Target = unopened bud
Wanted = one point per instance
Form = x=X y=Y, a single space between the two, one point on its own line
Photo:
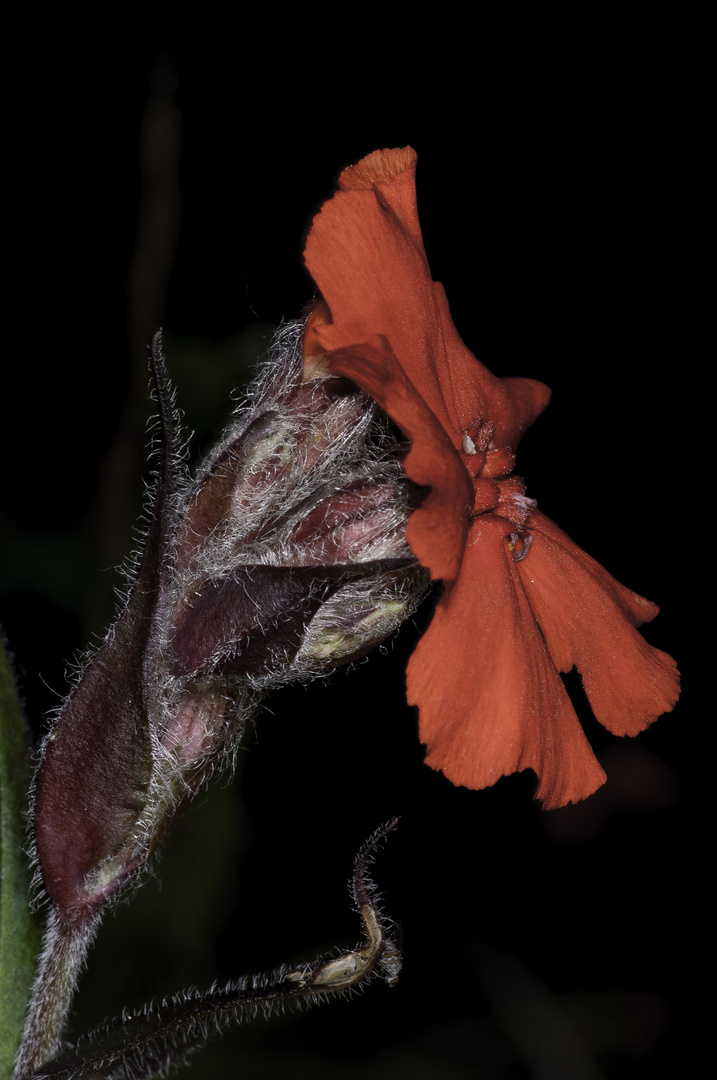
x=286 y=557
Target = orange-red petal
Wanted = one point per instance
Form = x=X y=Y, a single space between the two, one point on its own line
x=365 y=253
x=491 y=700
x=511 y=404
x=588 y=620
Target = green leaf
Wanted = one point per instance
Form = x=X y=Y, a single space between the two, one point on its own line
x=19 y=932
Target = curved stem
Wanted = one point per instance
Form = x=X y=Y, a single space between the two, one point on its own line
x=144 y=1044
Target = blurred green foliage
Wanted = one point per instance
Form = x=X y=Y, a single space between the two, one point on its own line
x=19 y=934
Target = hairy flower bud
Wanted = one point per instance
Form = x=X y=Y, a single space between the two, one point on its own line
x=286 y=557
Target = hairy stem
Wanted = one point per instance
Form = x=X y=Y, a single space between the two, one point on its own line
x=64 y=950
x=146 y=1043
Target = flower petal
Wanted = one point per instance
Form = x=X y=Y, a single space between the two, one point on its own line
x=588 y=620
x=491 y=701
x=365 y=253
x=511 y=404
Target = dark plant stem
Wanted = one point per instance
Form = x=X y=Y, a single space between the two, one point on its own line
x=63 y=956
x=144 y=1044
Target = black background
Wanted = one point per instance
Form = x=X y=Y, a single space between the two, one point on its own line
x=552 y=197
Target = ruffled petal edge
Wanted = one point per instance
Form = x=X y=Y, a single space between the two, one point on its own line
x=589 y=620
x=490 y=699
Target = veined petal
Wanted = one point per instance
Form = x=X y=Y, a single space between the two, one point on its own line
x=491 y=700
x=365 y=252
x=588 y=620
x=511 y=404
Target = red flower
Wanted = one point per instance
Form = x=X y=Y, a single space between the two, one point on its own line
x=521 y=601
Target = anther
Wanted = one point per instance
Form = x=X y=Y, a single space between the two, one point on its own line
x=525 y=541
